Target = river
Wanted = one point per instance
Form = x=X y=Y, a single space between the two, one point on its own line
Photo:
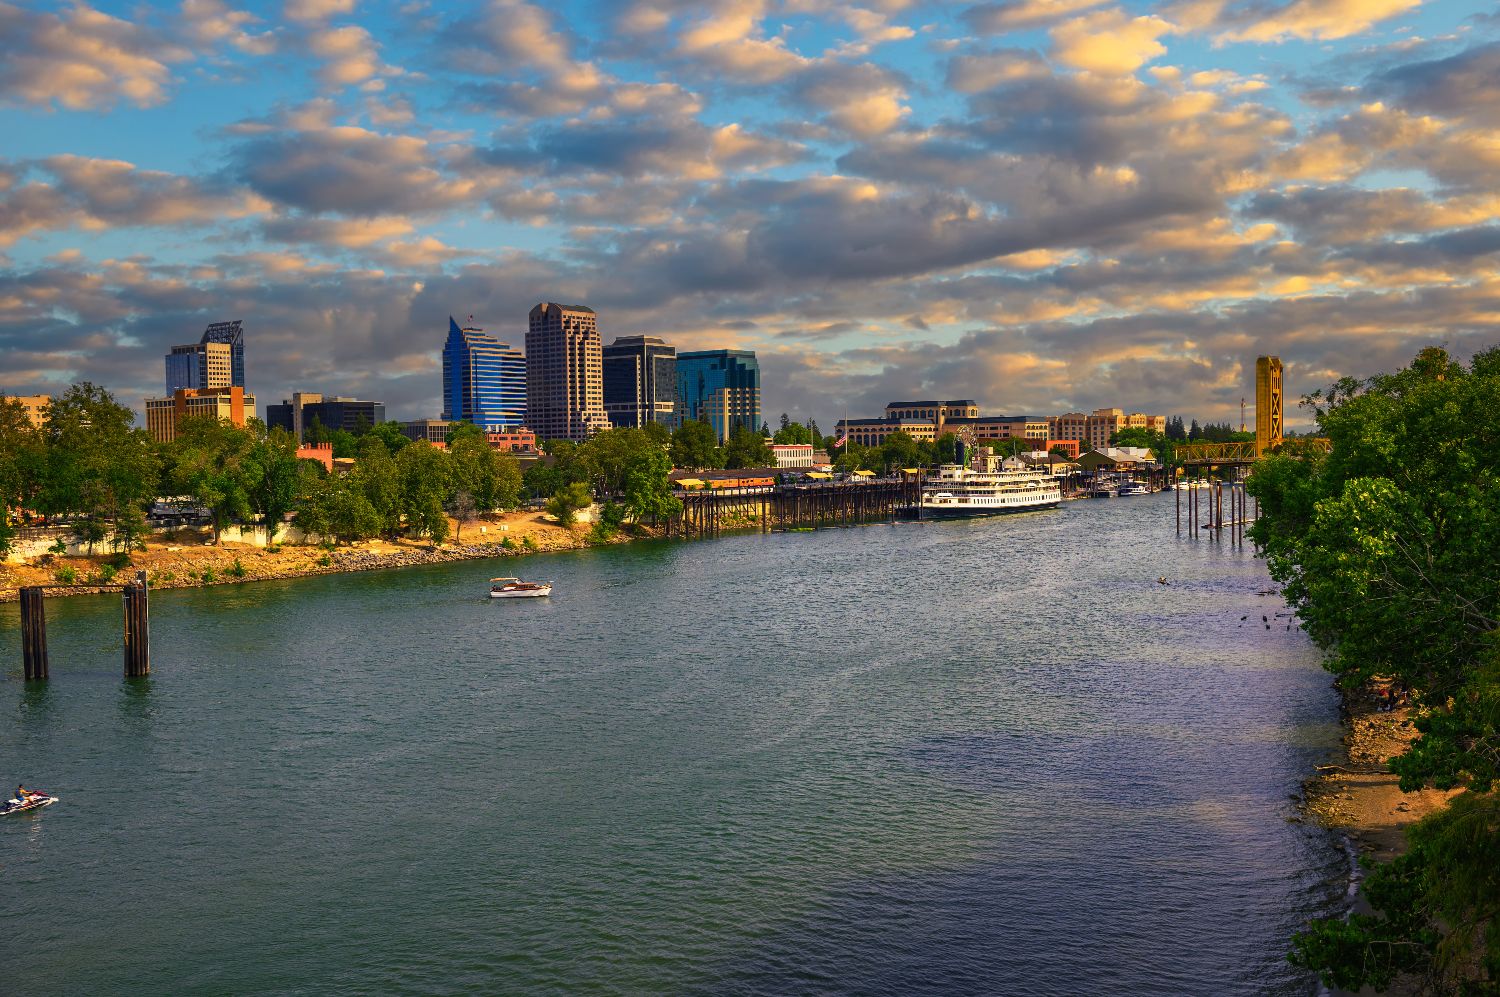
x=983 y=757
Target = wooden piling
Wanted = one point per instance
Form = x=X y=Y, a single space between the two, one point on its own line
x=137 y=628
x=33 y=634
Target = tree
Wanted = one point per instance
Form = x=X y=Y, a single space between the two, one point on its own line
x=215 y=466
x=695 y=446
x=99 y=470
x=570 y=498
x=475 y=466
x=607 y=455
x=901 y=450
x=1385 y=548
x=389 y=433
x=1160 y=445
x=22 y=459
x=345 y=443
x=648 y=486
x=657 y=434
x=814 y=437
x=462 y=508
x=336 y=509
x=945 y=449
x=747 y=448
x=376 y=475
x=425 y=475
x=793 y=432
x=273 y=479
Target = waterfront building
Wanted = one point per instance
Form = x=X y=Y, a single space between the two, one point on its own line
x=640 y=381
x=35 y=407
x=793 y=454
x=936 y=412
x=298 y=413
x=1072 y=426
x=1111 y=458
x=1069 y=447
x=874 y=432
x=998 y=427
x=484 y=380
x=1095 y=430
x=163 y=415
x=564 y=372
x=720 y=387
x=217 y=360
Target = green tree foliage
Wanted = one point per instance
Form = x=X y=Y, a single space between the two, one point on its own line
x=695 y=446
x=99 y=470
x=426 y=477
x=475 y=466
x=345 y=443
x=902 y=450
x=607 y=456
x=274 y=476
x=22 y=460
x=792 y=432
x=747 y=448
x=375 y=475
x=335 y=508
x=945 y=449
x=570 y=498
x=647 y=490
x=1386 y=548
x=1160 y=444
x=389 y=433
x=213 y=464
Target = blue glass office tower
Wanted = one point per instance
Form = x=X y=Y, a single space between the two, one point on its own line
x=484 y=380
x=720 y=387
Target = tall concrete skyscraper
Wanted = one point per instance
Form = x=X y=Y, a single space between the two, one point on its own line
x=720 y=387
x=217 y=360
x=640 y=381
x=564 y=373
x=484 y=380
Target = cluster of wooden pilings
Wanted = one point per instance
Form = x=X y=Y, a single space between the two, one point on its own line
x=1205 y=513
x=795 y=507
x=137 y=630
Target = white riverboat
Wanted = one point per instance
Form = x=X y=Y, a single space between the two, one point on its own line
x=514 y=588
x=984 y=489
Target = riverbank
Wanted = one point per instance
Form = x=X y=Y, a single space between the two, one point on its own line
x=1360 y=796
x=189 y=558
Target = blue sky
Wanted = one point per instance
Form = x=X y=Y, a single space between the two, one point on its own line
x=1043 y=204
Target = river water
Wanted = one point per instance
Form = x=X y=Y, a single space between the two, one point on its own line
x=985 y=757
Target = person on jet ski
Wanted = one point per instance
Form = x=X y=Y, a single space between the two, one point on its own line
x=24 y=795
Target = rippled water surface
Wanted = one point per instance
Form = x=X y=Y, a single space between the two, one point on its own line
x=989 y=757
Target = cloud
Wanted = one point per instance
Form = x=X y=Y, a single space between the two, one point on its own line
x=82 y=59
x=79 y=192
x=347 y=170
x=996 y=18
x=1109 y=42
x=1465 y=85
x=862 y=99
x=316 y=10
x=1264 y=21
x=986 y=70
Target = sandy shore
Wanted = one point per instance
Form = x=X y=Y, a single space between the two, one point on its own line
x=188 y=559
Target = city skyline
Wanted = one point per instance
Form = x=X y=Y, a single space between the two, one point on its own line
x=1048 y=206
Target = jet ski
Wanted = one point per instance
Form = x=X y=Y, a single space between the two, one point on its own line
x=15 y=806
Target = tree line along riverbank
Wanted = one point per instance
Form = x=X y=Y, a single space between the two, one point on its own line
x=1385 y=547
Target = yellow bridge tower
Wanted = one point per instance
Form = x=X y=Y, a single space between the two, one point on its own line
x=1267 y=404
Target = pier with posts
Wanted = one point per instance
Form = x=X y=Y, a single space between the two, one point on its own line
x=778 y=508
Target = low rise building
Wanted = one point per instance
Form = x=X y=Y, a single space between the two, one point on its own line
x=164 y=415
x=936 y=412
x=515 y=441
x=431 y=430
x=874 y=432
x=999 y=427
x=793 y=454
x=320 y=452
x=298 y=413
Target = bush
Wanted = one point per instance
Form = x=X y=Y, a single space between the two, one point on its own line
x=65 y=575
x=324 y=561
x=530 y=542
x=237 y=569
x=207 y=576
x=507 y=544
x=106 y=574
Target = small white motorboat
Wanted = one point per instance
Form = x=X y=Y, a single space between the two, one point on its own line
x=514 y=588
x=34 y=802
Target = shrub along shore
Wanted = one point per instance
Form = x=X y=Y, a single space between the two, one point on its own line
x=1385 y=547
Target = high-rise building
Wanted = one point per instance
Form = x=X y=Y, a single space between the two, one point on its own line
x=564 y=373
x=484 y=380
x=297 y=413
x=217 y=360
x=640 y=381
x=720 y=387
x=163 y=415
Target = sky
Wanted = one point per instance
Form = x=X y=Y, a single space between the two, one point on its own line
x=1045 y=205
